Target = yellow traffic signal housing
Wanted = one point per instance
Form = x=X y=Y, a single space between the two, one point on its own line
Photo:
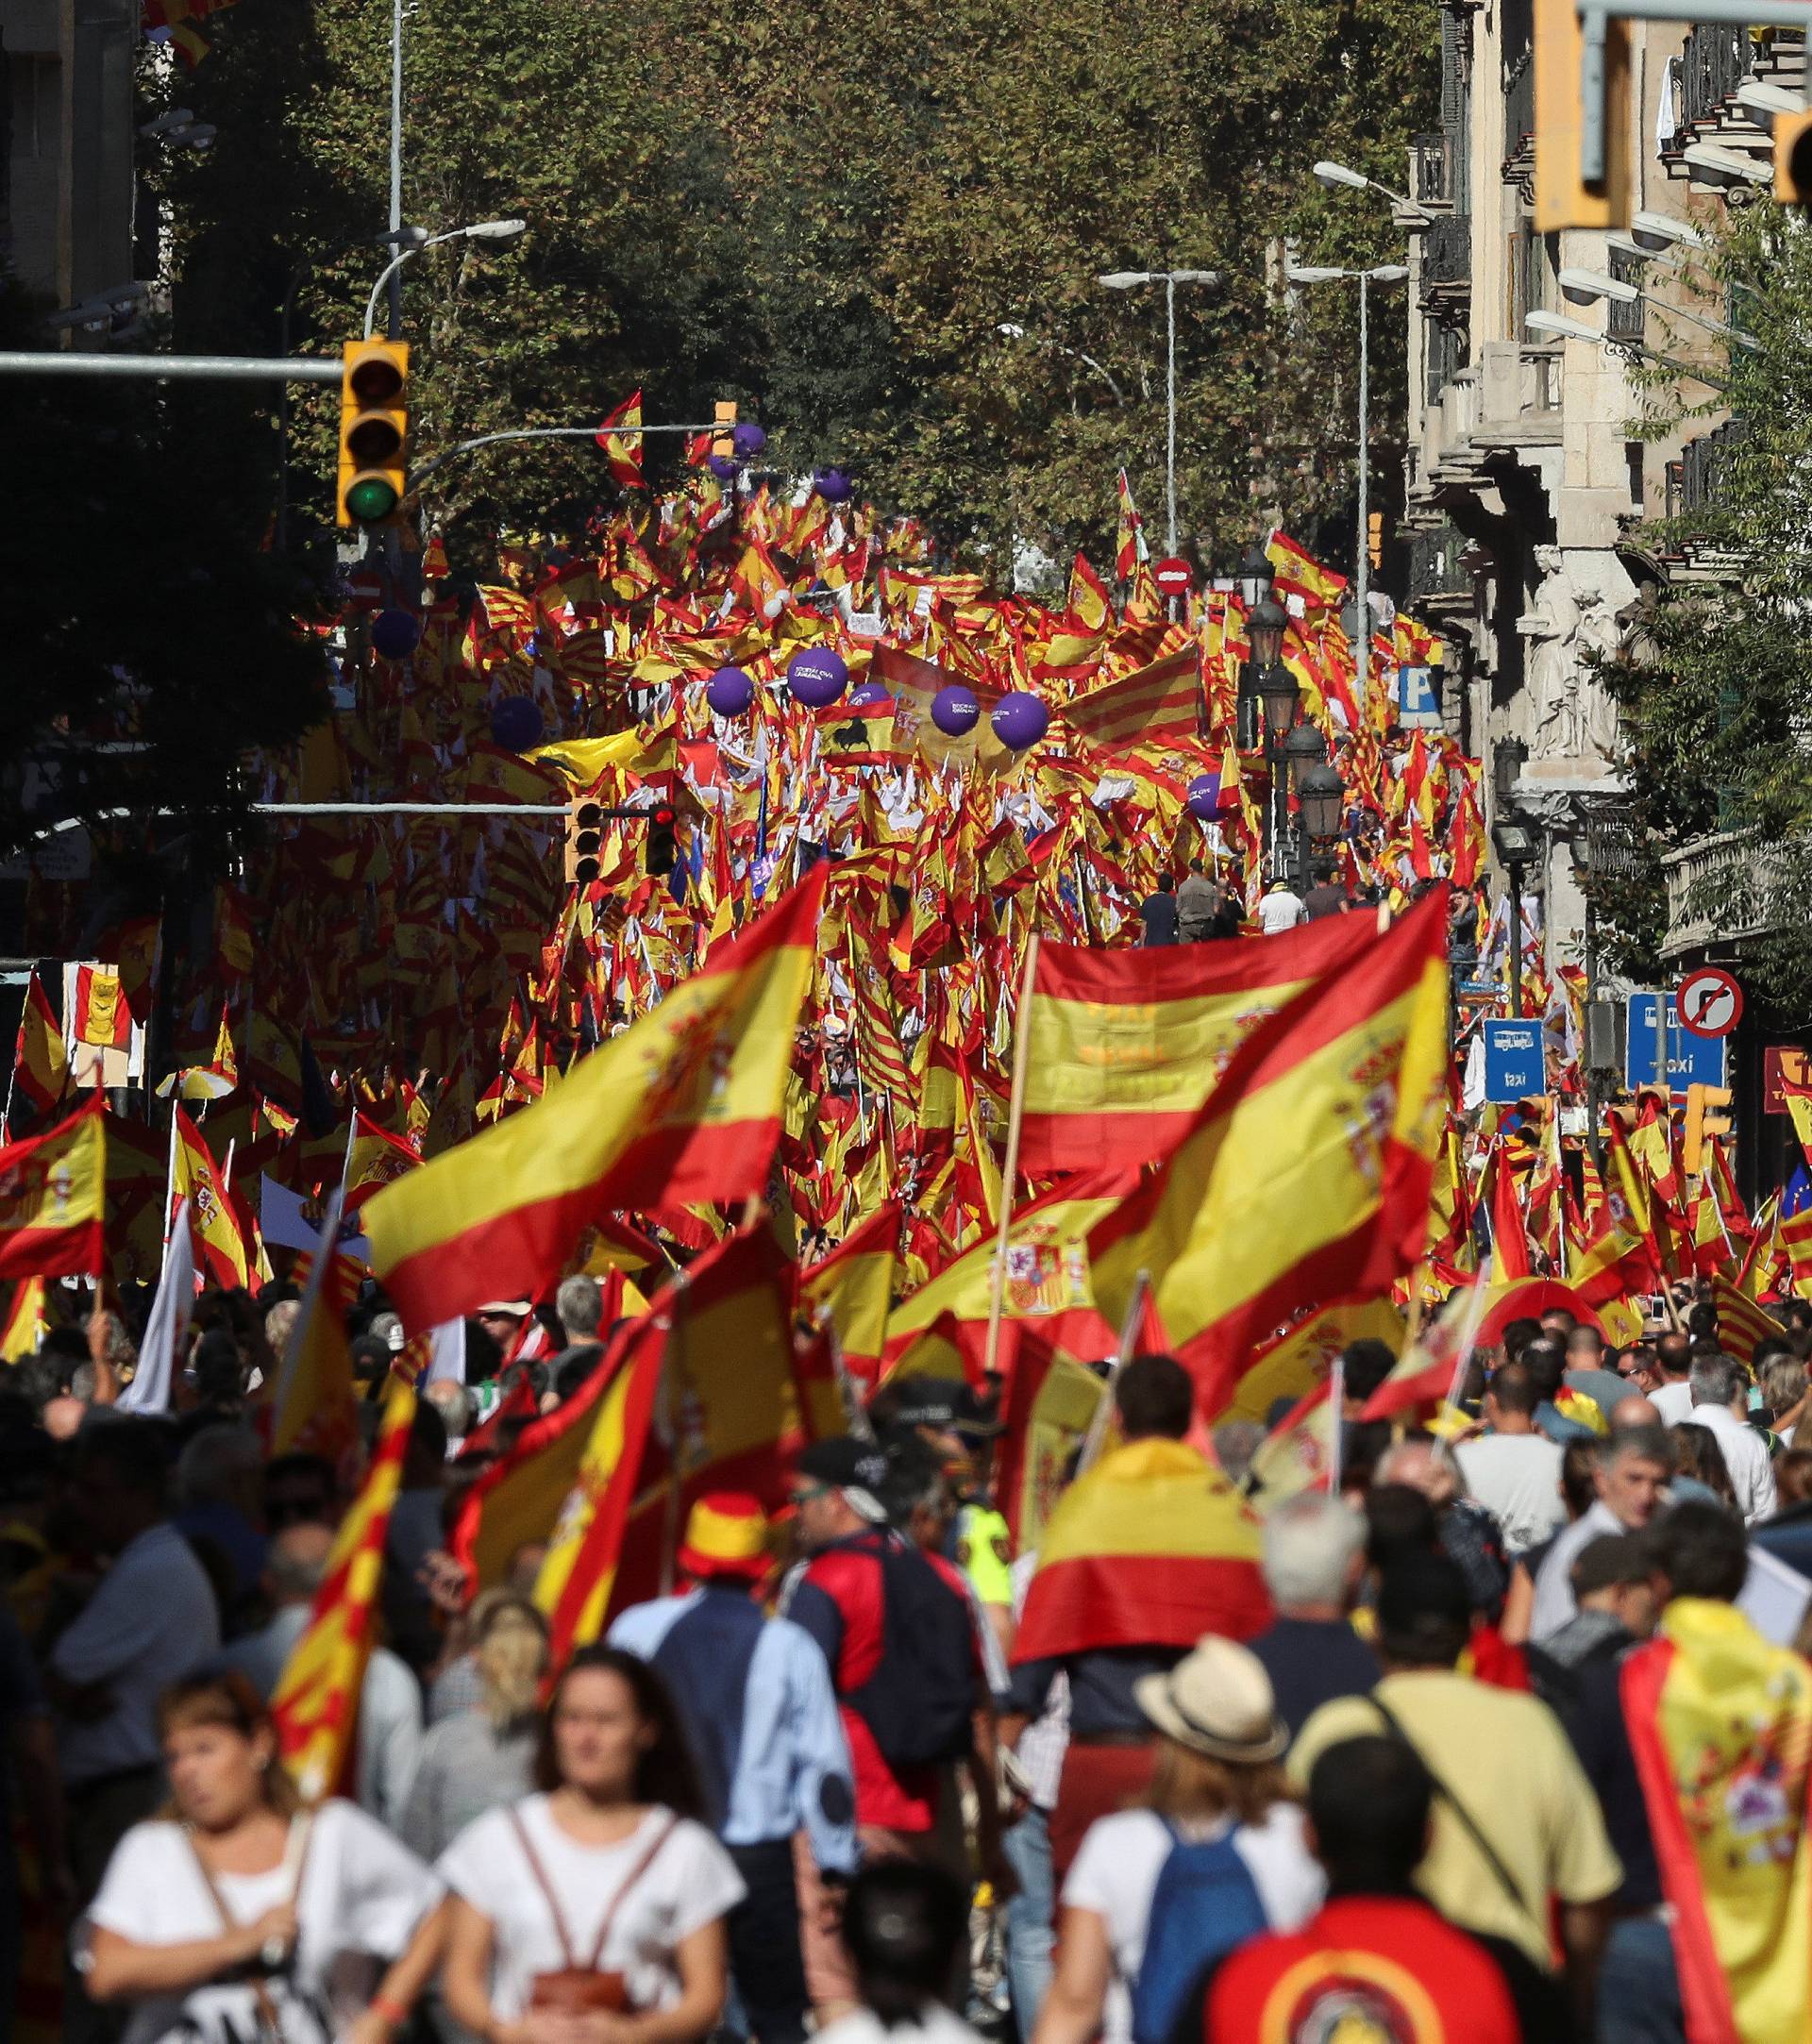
x=373 y=430
x=1375 y=538
x=584 y=843
x=1793 y=158
x=1703 y=1122
x=1563 y=198
x=725 y=414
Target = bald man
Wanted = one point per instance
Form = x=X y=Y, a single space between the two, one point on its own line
x=390 y=1704
x=1633 y=1409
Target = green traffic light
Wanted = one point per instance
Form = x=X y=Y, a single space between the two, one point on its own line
x=370 y=499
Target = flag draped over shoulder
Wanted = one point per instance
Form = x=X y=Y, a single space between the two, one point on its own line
x=1152 y=1547
x=316 y=1700
x=1720 y=1725
x=52 y=1198
x=683 y=1107
x=1306 y=1175
x=1126 y=1044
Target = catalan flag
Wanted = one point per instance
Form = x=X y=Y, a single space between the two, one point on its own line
x=683 y=1107
x=1306 y=1175
x=1152 y=1548
x=1126 y=1044
x=1153 y=706
x=1720 y=1727
x=53 y=1195
x=41 y=1061
x=316 y=1700
x=1741 y=1323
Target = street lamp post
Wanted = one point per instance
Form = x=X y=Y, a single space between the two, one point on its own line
x=483 y=230
x=1384 y=272
x=1128 y=280
x=1276 y=689
x=1518 y=846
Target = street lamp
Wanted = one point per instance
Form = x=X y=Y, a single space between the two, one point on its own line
x=1304 y=749
x=1518 y=846
x=1012 y=330
x=1583 y=286
x=1339 y=175
x=1266 y=625
x=1255 y=576
x=1384 y=272
x=1322 y=796
x=1277 y=691
x=1131 y=280
x=485 y=230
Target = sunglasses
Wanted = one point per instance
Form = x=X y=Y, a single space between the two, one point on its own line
x=803 y=1493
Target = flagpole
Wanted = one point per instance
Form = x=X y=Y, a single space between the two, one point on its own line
x=1015 y=1115
x=1097 y=1435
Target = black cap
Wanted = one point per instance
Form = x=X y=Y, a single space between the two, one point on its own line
x=844 y=1462
x=944 y=1402
x=1418 y=1588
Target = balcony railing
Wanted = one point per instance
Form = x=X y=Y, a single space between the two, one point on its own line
x=1447 y=270
x=1625 y=321
x=1696 y=481
x=1429 y=184
x=1519 y=120
x=1727 y=887
x=1715 y=62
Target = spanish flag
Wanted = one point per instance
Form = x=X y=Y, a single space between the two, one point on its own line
x=1298 y=1453
x=52 y=1198
x=1306 y=1175
x=685 y=1107
x=1051 y=1404
x=1720 y=1725
x=1293 y=1365
x=196 y=1177
x=1296 y=572
x=375 y=1159
x=853 y=1288
x=41 y=1061
x=316 y=1700
x=314 y=1401
x=21 y=1326
x=1126 y=1044
x=1152 y=1548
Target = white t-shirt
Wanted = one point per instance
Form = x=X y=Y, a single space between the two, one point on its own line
x=1116 y=1874
x=1281 y=911
x=361 y=1896
x=690 y=1882
x=1515 y=1477
x=938 y=2025
x=1673 y=1401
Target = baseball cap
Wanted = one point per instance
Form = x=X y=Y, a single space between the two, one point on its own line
x=858 y=1468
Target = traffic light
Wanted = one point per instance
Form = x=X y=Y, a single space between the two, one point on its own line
x=584 y=841
x=1375 y=538
x=725 y=414
x=1563 y=197
x=373 y=430
x=1701 y=1123
x=663 y=853
x=1793 y=157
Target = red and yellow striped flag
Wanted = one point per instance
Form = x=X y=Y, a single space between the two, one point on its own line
x=1126 y=1044
x=1051 y=1404
x=23 y=1323
x=314 y=1401
x=1741 y=1323
x=683 y=1107
x=316 y=1700
x=1720 y=1725
x=375 y=1159
x=1153 y=706
x=1306 y=1175
x=1295 y=1363
x=1152 y=1548
x=52 y=1198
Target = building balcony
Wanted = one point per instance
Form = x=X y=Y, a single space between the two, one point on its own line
x=1431 y=182
x=1727 y=889
x=1714 y=62
x=1519 y=125
x=1447 y=270
x=1488 y=415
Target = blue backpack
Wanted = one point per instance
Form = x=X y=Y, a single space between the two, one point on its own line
x=1205 y=1905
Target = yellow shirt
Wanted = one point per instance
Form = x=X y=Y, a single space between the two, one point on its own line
x=1506 y=1759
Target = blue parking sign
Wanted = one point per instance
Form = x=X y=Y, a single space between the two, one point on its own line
x=1513 y=1064
x=1692 y=1060
x=1419 y=700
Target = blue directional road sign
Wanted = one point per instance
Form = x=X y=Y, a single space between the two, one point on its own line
x=1513 y=1064
x=1692 y=1060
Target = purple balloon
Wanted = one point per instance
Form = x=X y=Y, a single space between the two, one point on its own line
x=395 y=634
x=1020 y=719
x=515 y=723
x=748 y=440
x=834 y=486
x=721 y=466
x=1204 y=798
x=729 y=691
x=954 y=710
x=817 y=677
x=870 y=696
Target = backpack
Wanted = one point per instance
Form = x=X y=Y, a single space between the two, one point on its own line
x=919 y=1700
x=1205 y=1904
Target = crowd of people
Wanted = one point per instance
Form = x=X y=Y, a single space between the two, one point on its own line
x=822 y=1786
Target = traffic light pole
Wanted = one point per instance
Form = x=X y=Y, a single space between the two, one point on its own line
x=1595 y=17
x=172 y=368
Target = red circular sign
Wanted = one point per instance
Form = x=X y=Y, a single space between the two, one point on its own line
x=1709 y=1002
x=1173 y=576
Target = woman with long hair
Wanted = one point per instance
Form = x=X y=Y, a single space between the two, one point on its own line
x=603 y=1896
x=1219 y=1739
x=1698 y=1457
x=482 y=1757
x=236 y=1913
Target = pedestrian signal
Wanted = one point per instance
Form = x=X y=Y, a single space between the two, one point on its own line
x=1793 y=158
x=724 y=440
x=373 y=430
x=663 y=853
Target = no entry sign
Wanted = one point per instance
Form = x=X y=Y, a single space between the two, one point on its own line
x=1709 y=1002
x=1173 y=576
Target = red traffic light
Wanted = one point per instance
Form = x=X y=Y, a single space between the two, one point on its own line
x=662 y=813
